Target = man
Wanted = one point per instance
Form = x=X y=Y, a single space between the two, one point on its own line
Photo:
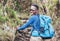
x=35 y=36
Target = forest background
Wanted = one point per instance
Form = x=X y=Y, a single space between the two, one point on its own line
x=14 y=12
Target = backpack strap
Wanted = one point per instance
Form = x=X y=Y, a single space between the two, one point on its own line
x=38 y=23
x=35 y=25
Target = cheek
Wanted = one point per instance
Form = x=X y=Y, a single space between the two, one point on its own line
x=34 y=12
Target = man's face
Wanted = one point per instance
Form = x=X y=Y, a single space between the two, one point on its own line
x=33 y=10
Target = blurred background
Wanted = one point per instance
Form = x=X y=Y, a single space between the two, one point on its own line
x=16 y=12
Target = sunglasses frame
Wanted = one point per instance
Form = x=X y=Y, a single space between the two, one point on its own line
x=32 y=10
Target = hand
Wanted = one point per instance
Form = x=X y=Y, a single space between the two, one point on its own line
x=17 y=27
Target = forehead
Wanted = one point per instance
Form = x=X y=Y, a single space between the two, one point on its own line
x=33 y=7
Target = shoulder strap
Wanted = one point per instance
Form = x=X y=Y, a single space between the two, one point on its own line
x=38 y=20
x=38 y=23
x=35 y=25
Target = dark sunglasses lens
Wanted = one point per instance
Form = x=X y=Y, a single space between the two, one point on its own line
x=32 y=10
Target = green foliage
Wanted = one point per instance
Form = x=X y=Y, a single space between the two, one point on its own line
x=1 y=9
x=1 y=19
x=18 y=6
x=22 y=5
x=12 y=14
x=55 y=1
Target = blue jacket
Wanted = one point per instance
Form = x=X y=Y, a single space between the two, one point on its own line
x=34 y=22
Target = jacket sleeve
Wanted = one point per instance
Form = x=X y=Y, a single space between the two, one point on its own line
x=30 y=21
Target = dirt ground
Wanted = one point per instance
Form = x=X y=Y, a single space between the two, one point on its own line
x=25 y=36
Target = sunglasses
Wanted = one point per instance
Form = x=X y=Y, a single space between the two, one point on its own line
x=32 y=10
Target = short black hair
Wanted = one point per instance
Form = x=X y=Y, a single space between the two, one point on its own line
x=36 y=6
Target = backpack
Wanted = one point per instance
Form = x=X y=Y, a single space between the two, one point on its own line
x=46 y=28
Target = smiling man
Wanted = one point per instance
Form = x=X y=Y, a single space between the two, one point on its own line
x=35 y=23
